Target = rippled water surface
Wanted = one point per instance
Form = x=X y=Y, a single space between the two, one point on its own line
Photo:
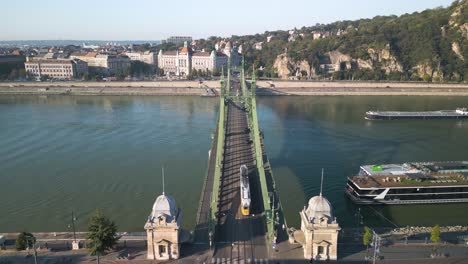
x=59 y=154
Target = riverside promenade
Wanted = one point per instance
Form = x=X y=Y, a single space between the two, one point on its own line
x=394 y=249
x=265 y=88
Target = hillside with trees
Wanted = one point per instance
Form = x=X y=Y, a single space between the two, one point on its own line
x=422 y=46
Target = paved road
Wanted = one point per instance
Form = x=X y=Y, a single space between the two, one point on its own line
x=239 y=239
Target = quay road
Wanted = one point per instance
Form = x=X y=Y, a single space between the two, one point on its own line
x=239 y=238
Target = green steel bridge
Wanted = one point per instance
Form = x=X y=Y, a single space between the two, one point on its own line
x=232 y=236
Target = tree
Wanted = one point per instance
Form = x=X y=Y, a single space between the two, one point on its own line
x=367 y=237
x=435 y=234
x=160 y=72
x=120 y=75
x=426 y=77
x=102 y=234
x=22 y=73
x=44 y=78
x=13 y=74
x=24 y=240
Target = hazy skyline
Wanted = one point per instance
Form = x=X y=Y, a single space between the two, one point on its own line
x=155 y=20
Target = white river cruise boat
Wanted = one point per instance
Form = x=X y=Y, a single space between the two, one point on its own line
x=410 y=183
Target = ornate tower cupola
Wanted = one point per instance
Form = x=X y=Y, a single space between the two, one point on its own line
x=320 y=229
x=163 y=228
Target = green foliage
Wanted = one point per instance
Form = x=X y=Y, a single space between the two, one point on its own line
x=367 y=236
x=102 y=234
x=12 y=70
x=139 y=69
x=426 y=77
x=200 y=74
x=92 y=76
x=121 y=75
x=24 y=240
x=160 y=71
x=44 y=78
x=216 y=73
x=435 y=234
x=410 y=38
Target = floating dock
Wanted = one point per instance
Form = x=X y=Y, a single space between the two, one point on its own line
x=459 y=113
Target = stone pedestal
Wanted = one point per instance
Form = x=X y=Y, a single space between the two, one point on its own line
x=75 y=245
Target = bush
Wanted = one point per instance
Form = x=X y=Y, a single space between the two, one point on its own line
x=435 y=234
x=367 y=236
x=24 y=240
x=426 y=77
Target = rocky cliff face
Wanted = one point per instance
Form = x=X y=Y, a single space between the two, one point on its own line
x=425 y=68
x=283 y=66
x=456 y=49
x=288 y=69
x=458 y=23
x=384 y=57
x=336 y=58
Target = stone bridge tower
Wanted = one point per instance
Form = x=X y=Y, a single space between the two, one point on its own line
x=320 y=230
x=163 y=229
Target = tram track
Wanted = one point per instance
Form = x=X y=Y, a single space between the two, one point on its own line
x=236 y=236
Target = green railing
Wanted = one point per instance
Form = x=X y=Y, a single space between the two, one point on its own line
x=219 y=157
x=249 y=100
x=251 y=105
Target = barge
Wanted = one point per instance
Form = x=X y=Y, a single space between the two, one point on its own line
x=410 y=183
x=459 y=113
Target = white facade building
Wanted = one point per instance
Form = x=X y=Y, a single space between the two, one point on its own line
x=182 y=62
x=56 y=69
x=204 y=61
x=104 y=63
x=146 y=57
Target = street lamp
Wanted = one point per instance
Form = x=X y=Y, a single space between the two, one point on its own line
x=33 y=240
x=210 y=236
x=75 y=245
x=376 y=242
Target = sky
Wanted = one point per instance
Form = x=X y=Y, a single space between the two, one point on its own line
x=157 y=19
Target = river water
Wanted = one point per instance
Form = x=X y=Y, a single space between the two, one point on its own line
x=60 y=154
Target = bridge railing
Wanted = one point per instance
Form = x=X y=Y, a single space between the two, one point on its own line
x=274 y=214
x=219 y=157
x=258 y=153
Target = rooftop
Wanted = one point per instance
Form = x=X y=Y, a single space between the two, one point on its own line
x=413 y=174
x=201 y=54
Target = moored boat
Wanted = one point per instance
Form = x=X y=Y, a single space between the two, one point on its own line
x=410 y=183
x=459 y=113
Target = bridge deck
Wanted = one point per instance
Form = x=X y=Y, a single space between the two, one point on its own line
x=239 y=238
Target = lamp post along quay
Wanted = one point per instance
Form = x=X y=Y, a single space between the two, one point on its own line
x=75 y=243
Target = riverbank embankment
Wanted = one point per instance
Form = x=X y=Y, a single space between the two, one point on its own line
x=109 y=88
x=360 y=88
x=265 y=88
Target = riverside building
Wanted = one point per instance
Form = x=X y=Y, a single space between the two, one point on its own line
x=56 y=69
x=178 y=40
x=104 y=63
x=182 y=62
x=147 y=57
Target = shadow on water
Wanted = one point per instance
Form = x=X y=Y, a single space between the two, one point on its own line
x=305 y=134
